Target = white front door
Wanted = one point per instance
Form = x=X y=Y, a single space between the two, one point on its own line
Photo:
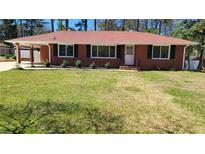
x=129 y=55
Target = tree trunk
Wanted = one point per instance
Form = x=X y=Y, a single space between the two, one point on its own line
x=200 y=66
x=21 y=27
x=105 y=24
x=85 y=24
x=66 y=24
x=160 y=26
x=138 y=25
x=52 y=25
x=60 y=24
x=188 y=58
x=123 y=24
x=146 y=24
x=31 y=28
x=95 y=24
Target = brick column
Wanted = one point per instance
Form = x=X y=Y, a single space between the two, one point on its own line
x=18 y=50
x=31 y=55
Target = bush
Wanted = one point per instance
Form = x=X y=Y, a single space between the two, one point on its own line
x=7 y=56
x=65 y=63
x=32 y=65
x=108 y=65
x=78 y=63
x=47 y=63
x=92 y=65
x=14 y=57
x=172 y=69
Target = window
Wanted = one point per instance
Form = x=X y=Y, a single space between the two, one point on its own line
x=65 y=50
x=129 y=50
x=103 y=51
x=160 y=52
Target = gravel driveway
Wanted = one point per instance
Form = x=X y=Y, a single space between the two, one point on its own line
x=5 y=66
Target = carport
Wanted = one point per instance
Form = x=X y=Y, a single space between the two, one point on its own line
x=44 y=49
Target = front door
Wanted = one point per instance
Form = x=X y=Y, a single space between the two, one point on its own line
x=129 y=55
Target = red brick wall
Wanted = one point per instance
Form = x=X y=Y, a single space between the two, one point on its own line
x=44 y=53
x=140 y=59
x=82 y=55
x=149 y=64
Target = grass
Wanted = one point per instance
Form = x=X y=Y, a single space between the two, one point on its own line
x=101 y=101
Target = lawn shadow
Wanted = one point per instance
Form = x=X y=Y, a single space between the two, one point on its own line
x=57 y=118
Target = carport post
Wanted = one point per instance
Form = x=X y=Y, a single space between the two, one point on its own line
x=18 y=50
x=31 y=55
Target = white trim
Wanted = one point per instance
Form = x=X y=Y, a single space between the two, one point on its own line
x=91 y=51
x=160 y=52
x=49 y=53
x=183 y=61
x=66 y=51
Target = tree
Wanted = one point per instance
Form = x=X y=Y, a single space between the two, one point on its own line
x=108 y=25
x=95 y=24
x=198 y=30
x=8 y=29
x=152 y=30
x=32 y=26
x=82 y=25
x=193 y=30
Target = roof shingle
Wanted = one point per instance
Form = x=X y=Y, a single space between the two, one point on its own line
x=102 y=37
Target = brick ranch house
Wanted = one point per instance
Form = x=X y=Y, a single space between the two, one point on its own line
x=143 y=50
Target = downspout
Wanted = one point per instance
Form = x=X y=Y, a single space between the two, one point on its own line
x=184 y=56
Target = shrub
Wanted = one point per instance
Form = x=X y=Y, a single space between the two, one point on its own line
x=78 y=63
x=65 y=63
x=32 y=65
x=92 y=65
x=172 y=69
x=108 y=65
x=7 y=56
x=47 y=63
x=14 y=57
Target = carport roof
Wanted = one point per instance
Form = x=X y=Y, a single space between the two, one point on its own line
x=101 y=37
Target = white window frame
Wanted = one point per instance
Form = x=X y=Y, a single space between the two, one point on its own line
x=91 y=51
x=160 y=52
x=66 y=50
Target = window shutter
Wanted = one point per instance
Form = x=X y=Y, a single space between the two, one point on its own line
x=173 y=51
x=55 y=50
x=88 y=51
x=75 y=50
x=119 y=51
x=149 y=52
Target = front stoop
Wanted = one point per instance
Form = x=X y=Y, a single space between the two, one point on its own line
x=129 y=68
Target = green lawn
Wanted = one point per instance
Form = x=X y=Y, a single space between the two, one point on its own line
x=102 y=101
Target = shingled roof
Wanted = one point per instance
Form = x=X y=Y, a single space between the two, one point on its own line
x=101 y=37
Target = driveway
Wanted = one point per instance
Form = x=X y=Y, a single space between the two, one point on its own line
x=5 y=66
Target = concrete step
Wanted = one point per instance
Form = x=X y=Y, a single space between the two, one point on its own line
x=129 y=68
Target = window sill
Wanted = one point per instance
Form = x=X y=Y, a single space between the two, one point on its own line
x=103 y=57
x=66 y=56
x=160 y=58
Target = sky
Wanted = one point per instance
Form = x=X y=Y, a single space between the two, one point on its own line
x=72 y=23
